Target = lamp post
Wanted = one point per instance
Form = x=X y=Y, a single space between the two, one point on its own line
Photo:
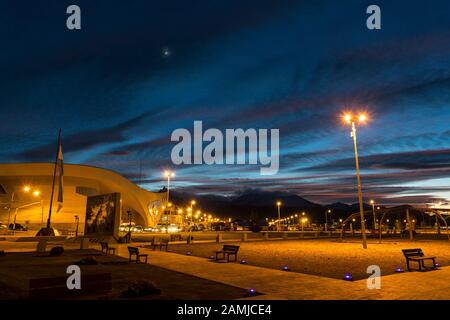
x=374 y=215
x=129 y=225
x=26 y=189
x=168 y=174
x=77 y=220
x=303 y=223
x=279 y=215
x=326 y=219
x=349 y=119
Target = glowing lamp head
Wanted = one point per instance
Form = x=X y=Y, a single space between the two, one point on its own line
x=169 y=174
x=36 y=193
x=347 y=118
x=26 y=188
x=372 y=202
x=278 y=203
x=193 y=202
x=362 y=118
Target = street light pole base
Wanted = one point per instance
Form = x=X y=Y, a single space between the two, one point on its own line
x=46 y=232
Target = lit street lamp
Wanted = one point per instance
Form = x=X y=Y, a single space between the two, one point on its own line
x=303 y=223
x=168 y=175
x=326 y=219
x=374 y=215
x=77 y=220
x=349 y=119
x=25 y=189
x=279 y=216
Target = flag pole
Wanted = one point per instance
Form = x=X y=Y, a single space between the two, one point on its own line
x=54 y=178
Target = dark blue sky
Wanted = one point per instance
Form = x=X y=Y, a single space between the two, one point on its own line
x=292 y=65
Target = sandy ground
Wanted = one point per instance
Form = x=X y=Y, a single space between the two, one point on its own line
x=16 y=269
x=326 y=257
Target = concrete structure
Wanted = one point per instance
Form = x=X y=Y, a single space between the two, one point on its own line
x=80 y=181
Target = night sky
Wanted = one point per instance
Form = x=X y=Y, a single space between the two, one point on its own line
x=137 y=70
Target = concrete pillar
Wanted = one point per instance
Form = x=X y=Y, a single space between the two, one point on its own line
x=219 y=238
x=285 y=235
x=41 y=245
x=244 y=236
x=266 y=236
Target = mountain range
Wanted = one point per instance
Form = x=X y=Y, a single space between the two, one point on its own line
x=259 y=205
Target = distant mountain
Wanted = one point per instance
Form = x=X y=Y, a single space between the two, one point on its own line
x=339 y=206
x=269 y=199
x=257 y=204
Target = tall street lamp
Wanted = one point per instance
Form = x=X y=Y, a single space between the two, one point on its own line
x=77 y=221
x=279 y=216
x=326 y=219
x=25 y=189
x=374 y=215
x=350 y=119
x=168 y=174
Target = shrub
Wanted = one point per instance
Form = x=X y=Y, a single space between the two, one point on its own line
x=140 y=288
x=56 y=251
x=87 y=261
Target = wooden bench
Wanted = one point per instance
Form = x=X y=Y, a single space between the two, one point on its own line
x=227 y=251
x=106 y=248
x=418 y=256
x=133 y=251
x=56 y=288
x=160 y=244
x=164 y=243
x=176 y=237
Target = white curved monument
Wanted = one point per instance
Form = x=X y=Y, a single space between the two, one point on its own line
x=25 y=190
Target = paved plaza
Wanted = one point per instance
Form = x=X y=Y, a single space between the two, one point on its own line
x=277 y=284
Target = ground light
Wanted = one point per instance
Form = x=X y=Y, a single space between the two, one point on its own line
x=399 y=270
x=243 y=261
x=348 y=277
x=188 y=253
x=211 y=257
x=285 y=268
x=437 y=265
x=252 y=291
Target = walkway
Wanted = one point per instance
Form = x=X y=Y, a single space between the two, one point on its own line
x=276 y=284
